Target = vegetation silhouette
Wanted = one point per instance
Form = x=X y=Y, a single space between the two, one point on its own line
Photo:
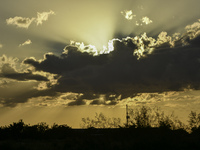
x=101 y=121
x=148 y=128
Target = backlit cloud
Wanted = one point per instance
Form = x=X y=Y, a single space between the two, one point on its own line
x=121 y=69
x=91 y=49
x=27 y=42
x=128 y=14
x=8 y=70
x=164 y=65
x=193 y=30
x=29 y=83
x=146 y=20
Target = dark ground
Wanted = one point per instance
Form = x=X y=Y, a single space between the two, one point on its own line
x=101 y=139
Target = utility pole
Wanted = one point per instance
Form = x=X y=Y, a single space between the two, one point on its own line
x=127 y=116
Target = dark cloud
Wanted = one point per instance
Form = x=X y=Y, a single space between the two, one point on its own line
x=77 y=103
x=121 y=73
x=136 y=65
x=14 y=93
x=97 y=102
x=95 y=99
x=8 y=72
x=66 y=62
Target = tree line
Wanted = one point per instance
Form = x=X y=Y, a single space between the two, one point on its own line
x=144 y=117
x=141 y=118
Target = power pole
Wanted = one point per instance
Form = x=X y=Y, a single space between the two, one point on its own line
x=127 y=116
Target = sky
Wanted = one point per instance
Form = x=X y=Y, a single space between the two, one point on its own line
x=64 y=60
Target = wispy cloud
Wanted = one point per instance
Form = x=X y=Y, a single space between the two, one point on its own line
x=23 y=22
x=27 y=42
x=43 y=16
x=20 y=21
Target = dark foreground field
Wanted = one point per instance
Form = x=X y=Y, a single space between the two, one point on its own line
x=86 y=139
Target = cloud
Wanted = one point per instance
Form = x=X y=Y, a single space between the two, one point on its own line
x=20 y=21
x=146 y=20
x=1 y=45
x=77 y=103
x=43 y=16
x=128 y=14
x=27 y=42
x=8 y=70
x=193 y=30
x=10 y=96
x=91 y=49
x=139 y=64
x=23 y=22
x=19 y=83
x=162 y=66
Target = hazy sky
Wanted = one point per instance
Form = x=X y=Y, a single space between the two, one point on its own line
x=67 y=59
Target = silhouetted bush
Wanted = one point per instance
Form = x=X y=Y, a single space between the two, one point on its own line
x=194 y=120
x=101 y=121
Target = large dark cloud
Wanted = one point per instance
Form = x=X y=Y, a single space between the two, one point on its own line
x=121 y=73
x=66 y=62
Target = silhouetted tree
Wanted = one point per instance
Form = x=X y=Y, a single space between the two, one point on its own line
x=56 y=126
x=42 y=127
x=100 y=121
x=144 y=117
x=194 y=120
x=17 y=128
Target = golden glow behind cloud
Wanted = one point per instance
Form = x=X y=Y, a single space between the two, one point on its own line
x=142 y=49
x=91 y=48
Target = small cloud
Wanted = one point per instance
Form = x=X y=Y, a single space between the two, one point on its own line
x=27 y=42
x=128 y=14
x=146 y=20
x=43 y=16
x=20 y=21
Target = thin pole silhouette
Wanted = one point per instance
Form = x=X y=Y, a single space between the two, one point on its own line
x=127 y=115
